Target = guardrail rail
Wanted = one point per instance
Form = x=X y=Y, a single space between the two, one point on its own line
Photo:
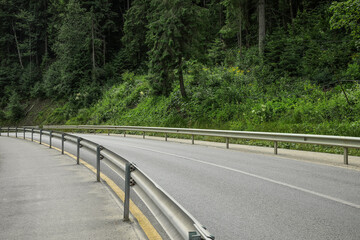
x=176 y=221
x=336 y=141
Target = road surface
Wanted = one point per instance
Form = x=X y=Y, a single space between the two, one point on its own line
x=239 y=195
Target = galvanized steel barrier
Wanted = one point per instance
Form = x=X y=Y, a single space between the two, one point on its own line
x=176 y=221
x=336 y=141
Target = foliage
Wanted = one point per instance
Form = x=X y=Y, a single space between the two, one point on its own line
x=71 y=48
x=312 y=52
x=346 y=15
x=15 y=110
x=174 y=35
x=104 y=62
x=135 y=27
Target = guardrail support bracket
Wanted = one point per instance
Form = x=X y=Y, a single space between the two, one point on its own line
x=194 y=236
x=132 y=182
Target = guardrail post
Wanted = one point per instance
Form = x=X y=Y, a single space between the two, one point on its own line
x=194 y=236
x=165 y=136
x=227 y=142
x=144 y=135
x=192 y=139
x=16 y=132
x=24 y=132
x=32 y=134
x=346 y=156
x=0 y=130
x=78 y=151
x=62 y=143
x=127 y=192
x=50 y=139
x=98 y=157
x=40 y=135
x=8 y=131
x=275 y=148
x=124 y=133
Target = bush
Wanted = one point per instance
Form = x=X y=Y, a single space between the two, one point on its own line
x=15 y=111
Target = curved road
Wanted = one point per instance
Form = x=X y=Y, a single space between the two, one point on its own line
x=240 y=195
x=247 y=196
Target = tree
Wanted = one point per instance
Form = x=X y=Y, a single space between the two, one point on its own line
x=347 y=15
x=261 y=9
x=101 y=19
x=174 y=35
x=135 y=28
x=73 y=63
x=235 y=19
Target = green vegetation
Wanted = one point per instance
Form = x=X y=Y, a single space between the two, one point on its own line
x=200 y=64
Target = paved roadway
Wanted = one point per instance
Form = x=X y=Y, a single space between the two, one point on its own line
x=239 y=195
x=248 y=196
x=45 y=195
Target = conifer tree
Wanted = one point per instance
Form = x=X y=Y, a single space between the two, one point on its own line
x=174 y=35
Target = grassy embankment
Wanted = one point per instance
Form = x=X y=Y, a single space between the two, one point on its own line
x=225 y=98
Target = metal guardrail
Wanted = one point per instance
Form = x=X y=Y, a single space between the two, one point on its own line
x=176 y=221
x=336 y=141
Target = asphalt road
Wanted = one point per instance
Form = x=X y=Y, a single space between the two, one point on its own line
x=240 y=195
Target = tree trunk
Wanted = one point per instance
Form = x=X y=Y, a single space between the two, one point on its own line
x=30 y=50
x=246 y=18
x=17 y=46
x=93 y=44
x=220 y=16
x=46 y=35
x=261 y=7
x=240 y=32
x=104 y=51
x=181 y=79
x=46 y=44
x=291 y=11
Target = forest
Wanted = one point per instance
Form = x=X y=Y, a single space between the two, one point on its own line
x=274 y=65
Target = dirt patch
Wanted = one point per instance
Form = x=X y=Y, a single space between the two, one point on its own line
x=33 y=109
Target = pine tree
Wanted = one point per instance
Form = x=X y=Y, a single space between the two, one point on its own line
x=174 y=35
x=135 y=28
x=73 y=59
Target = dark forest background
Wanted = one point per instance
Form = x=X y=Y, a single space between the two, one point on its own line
x=274 y=65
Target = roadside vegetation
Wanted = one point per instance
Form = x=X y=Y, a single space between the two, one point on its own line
x=184 y=64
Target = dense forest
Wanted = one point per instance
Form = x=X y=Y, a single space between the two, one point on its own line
x=274 y=65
